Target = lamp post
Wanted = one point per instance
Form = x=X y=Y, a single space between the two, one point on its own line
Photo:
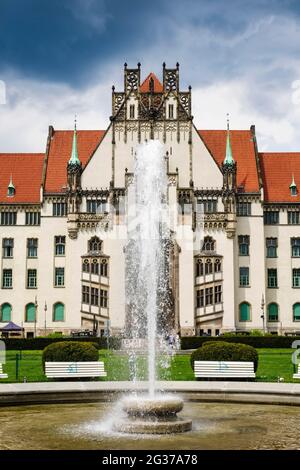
x=263 y=312
x=45 y=324
x=35 y=316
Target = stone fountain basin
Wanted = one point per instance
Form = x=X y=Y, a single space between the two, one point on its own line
x=152 y=415
x=148 y=406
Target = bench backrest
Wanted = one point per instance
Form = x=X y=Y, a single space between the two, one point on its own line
x=223 y=367
x=74 y=367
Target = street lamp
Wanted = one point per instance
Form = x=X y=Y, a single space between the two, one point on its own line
x=45 y=310
x=263 y=312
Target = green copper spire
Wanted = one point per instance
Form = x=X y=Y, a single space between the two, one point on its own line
x=11 y=188
x=74 y=160
x=228 y=158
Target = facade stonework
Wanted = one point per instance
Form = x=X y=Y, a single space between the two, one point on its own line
x=234 y=256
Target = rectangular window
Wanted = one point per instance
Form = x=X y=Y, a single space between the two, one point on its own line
x=94 y=296
x=59 y=277
x=103 y=298
x=171 y=111
x=272 y=278
x=296 y=277
x=244 y=242
x=85 y=294
x=32 y=247
x=59 y=209
x=7 y=279
x=295 y=244
x=209 y=206
x=31 y=279
x=293 y=218
x=244 y=276
x=32 y=218
x=8 y=247
x=243 y=209
x=209 y=296
x=271 y=244
x=218 y=294
x=60 y=245
x=8 y=218
x=271 y=217
x=97 y=206
x=200 y=298
x=131 y=111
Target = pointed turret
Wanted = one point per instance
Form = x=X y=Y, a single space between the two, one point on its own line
x=11 y=188
x=74 y=160
x=293 y=187
x=228 y=157
x=74 y=170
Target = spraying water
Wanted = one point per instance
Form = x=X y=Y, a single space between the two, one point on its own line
x=146 y=273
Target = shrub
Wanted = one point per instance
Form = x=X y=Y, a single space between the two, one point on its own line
x=70 y=351
x=256 y=333
x=223 y=351
x=41 y=342
x=273 y=341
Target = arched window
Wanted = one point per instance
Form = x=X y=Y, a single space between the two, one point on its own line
x=296 y=312
x=58 y=312
x=218 y=266
x=208 y=266
x=273 y=312
x=30 y=313
x=199 y=267
x=94 y=245
x=5 y=313
x=208 y=244
x=244 y=311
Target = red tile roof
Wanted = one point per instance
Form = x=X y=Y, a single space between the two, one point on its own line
x=277 y=172
x=26 y=170
x=60 y=152
x=145 y=86
x=243 y=151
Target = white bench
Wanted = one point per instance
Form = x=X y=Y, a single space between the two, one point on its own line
x=224 y=369
x=2 y=375
x=297 y=375
x=74 y=369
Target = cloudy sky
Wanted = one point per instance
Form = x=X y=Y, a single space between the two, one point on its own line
x=60 y=57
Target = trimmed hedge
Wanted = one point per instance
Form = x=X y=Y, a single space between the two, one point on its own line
x=194 y=342
x=70 y=351
x=41 y=343
x=223 y=351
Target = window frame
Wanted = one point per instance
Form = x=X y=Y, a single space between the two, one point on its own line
x=4 y=272
x=245 y=276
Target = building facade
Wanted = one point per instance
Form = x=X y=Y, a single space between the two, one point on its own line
x=235 y=251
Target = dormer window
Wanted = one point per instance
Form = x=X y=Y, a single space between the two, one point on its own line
x=293 y=187
x=293 y=191
x=132 y=111
x=11 y=191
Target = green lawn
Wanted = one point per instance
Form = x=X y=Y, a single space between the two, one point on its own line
x=273 y=363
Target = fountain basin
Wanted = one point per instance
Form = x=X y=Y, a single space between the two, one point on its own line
x=157 y=415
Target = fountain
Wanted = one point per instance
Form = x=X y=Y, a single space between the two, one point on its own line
x=147 y=292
